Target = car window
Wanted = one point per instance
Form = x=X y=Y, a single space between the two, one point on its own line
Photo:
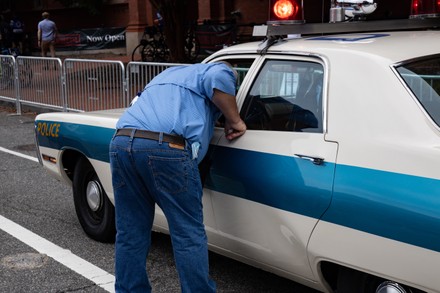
x=241 y=65
x=285 y=96
x=423 y=78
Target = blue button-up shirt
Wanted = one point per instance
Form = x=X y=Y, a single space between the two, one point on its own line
x=178 y=101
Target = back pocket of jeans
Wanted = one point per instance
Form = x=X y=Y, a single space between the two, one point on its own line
x=170 y=174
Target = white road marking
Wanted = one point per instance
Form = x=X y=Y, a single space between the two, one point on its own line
x=19 y=154
x=65 y=257
x=61 y=255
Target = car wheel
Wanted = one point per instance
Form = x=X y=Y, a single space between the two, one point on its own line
x=95 y=212
x=351 y=281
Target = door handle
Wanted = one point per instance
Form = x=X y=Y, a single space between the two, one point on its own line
x=314 y=160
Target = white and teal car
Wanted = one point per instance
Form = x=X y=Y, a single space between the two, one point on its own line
x=336 y=183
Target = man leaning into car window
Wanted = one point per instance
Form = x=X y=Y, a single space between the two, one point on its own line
x=154 y=158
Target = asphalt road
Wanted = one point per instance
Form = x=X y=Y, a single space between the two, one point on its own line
x=30 y=199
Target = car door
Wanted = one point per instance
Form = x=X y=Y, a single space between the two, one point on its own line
x=242 y=64
x=269 y=187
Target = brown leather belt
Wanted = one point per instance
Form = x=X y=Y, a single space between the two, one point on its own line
x=174 y=139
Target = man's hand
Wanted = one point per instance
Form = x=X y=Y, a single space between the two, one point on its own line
x=234 y=125
x=234 y=130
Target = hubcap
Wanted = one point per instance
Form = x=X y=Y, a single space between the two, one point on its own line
x=94 y=195
x=390 y=287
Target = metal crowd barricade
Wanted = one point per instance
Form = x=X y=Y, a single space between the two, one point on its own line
x=39 y=82
x=75 y=84
x=92 y=85
x=8 y=89
x=141 y=73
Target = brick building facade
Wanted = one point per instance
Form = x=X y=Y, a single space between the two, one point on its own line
x=135 y=15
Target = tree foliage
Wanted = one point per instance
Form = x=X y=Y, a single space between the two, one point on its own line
x=92 y=6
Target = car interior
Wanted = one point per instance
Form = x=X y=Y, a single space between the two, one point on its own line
x=286 y=96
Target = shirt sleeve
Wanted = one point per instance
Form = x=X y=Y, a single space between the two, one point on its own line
x=219 y=77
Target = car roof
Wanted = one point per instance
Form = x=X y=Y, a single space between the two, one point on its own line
x=394 y=46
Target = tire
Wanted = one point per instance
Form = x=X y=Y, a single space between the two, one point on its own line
x=25 y=75
x=97 y=218
x=4 y=79
x=6 y=75
x=136 y=55
x=351 y=281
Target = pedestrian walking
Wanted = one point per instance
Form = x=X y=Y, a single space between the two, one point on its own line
x=154 y=158
x=17 y=30
x=47 y=34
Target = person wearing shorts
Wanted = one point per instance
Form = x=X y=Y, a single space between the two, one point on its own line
x=47 y=33
x=17 y=33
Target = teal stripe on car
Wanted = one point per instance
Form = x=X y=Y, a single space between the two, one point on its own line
x=392 y=205
x=92 y=141
x=282 y=182
x=397 y=206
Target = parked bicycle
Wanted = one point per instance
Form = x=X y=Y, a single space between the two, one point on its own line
x=192 y=46
x=153 y=47
x=7 y=70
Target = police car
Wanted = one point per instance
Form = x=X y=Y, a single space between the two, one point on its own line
x=336 y=183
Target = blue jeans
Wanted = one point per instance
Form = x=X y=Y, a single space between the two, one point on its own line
x=144 y=173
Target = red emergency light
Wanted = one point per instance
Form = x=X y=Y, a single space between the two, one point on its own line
x=425 y=8
x=286 y=11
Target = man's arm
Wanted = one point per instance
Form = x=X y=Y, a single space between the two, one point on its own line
x=234 y=125
x=55 y=32
x=39 y=35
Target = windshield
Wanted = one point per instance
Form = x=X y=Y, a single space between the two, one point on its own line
x=423 y=78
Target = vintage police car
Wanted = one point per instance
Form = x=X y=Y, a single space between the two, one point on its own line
x=336 y=183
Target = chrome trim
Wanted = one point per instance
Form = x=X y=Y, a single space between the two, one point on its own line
x=390 y=287
x=313 y=159
x=37 y=145
x=393 y=68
